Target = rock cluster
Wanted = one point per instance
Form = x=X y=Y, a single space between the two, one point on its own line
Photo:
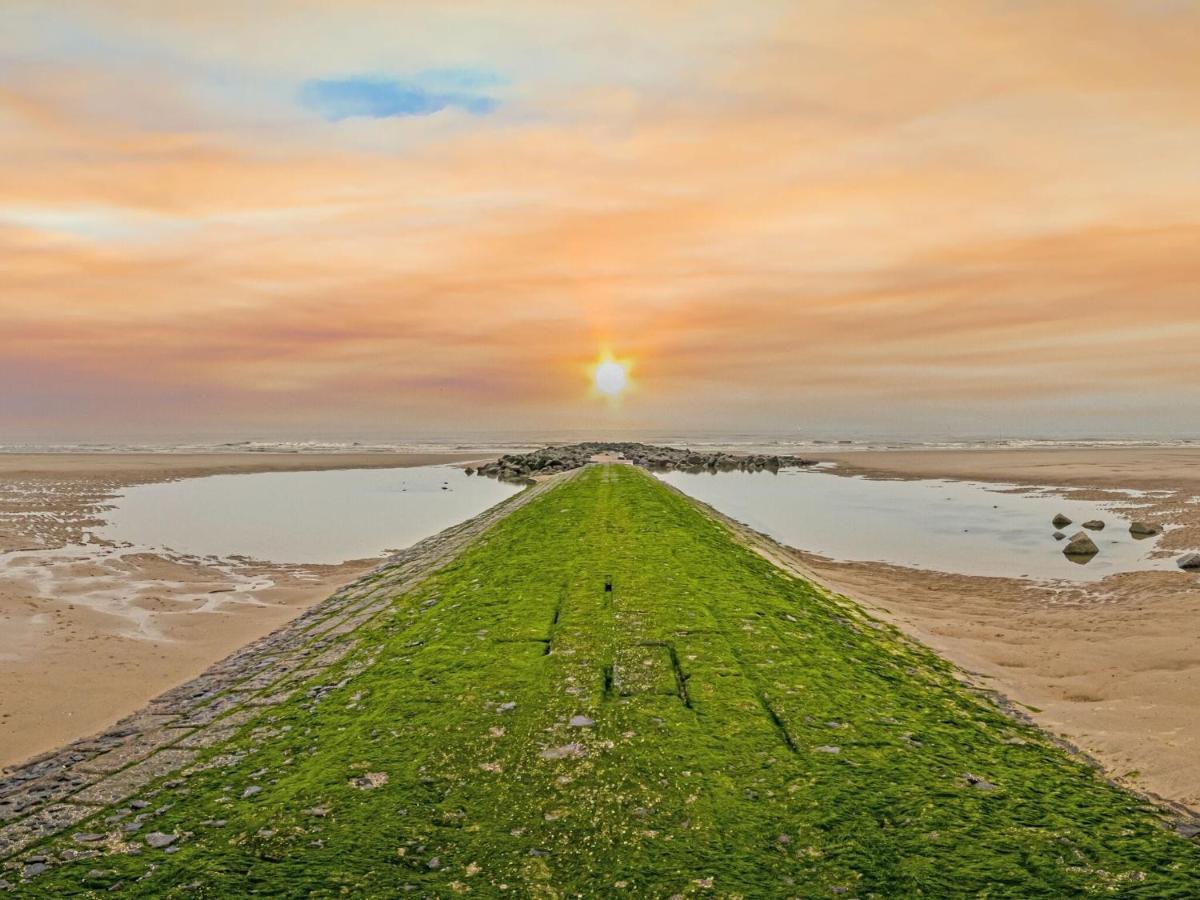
x=552 y=460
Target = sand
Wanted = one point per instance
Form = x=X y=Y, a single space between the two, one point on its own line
x=1111 y=666
x=89 y=634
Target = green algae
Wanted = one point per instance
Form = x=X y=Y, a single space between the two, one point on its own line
x=709 y=726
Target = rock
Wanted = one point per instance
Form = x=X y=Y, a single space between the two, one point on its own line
x=370 y=781
x=978 y=783
x=1059 y=536
x=507 y=707
x=1081 y=545
x=581 y=722
x=87 y=837
x=1060 y=521
x=251 y=791
x=319 y=812
x=1188 y=829
x=1190 y=561
x=827 y=749
x=32 y=869
x=1144 y=529
x=434 y=864
x=158 y=840
x=1094 y=525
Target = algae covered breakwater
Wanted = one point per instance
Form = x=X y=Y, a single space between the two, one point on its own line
x=600 y=693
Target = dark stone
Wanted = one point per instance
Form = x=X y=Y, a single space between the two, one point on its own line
x=158 y=840
x=1094 y=525
x=1190 y=561
x=1081 y=545
x=1060 y=521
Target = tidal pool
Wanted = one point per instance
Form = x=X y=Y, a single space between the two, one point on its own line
x=947 y=526
x=300 y=517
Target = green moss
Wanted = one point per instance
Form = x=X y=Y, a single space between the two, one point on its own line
x=743 y=734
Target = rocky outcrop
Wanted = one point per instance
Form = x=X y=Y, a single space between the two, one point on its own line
x=524 y=467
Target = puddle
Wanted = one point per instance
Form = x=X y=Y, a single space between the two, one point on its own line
x=948 y=526
x=299 y=517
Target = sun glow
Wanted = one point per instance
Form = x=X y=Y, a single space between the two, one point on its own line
x=610 y=377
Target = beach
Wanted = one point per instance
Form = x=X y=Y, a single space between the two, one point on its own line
x=1110 y=666
x=89 y=634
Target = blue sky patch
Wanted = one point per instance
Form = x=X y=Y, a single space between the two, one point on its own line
x=380 y=97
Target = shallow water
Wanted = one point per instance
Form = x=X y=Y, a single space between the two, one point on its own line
x=948 y=526
x=300 y=517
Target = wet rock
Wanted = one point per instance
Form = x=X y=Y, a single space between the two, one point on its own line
x=1094 y=525
x=1190 y=561
x=523 y=468
x=1060 y=521
x=158 y=840
x=1081 y=545
x=1059 y=536
x=1145 y=529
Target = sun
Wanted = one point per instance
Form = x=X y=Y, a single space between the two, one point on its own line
x=610 y=377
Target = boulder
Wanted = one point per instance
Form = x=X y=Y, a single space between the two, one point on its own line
x=1145 y=529
x=1094 y=525
x=1081 y=545
x=1060 y=521
x=1190 y=561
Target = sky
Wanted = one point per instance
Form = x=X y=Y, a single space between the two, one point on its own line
x=895 y=217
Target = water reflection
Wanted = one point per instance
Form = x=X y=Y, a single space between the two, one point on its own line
x=300 y=517
x=948 y=526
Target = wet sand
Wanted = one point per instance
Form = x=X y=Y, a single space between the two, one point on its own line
x=89 y=635
x=1112 y=666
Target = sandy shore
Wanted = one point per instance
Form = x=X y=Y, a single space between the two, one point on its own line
x=90 y=632
x=1113 y=666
